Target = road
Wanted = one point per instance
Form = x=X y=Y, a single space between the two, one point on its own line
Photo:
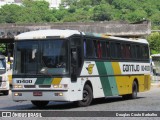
x=146 y=101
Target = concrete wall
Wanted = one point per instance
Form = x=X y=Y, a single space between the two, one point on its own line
x=111 y=28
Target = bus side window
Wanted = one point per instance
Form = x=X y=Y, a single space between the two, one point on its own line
x=95 y=49
x=103 y=49
x=113 y=50
x=99 y=50
x=123 y=51
x=128 y=51
x=138 y=52
x=89 y=48
x=118 y=50
x=133 y=51
x=108 y=49
x=144 y=52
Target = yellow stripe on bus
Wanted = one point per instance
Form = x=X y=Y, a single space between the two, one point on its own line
x=56 y=81
x=116 y=68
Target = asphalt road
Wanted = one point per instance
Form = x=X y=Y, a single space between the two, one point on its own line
x=146 y=101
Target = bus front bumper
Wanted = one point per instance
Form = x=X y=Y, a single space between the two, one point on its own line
x=42 y=95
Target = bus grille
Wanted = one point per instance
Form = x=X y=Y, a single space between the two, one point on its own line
x=29 y=86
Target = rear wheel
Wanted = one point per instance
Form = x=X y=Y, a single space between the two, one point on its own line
x=133 y=95
x=134 y=91
x=40 y=104
x=87 y=96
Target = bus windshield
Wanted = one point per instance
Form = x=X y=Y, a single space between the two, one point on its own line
x=47 y=57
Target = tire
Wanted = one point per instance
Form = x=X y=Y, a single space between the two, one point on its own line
x=133 y=95
x=125 y=97
x=87 y=96
x=40 y=104
x=6 y=92
x=134 y=91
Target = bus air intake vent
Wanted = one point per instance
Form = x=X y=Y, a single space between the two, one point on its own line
x=29 y=86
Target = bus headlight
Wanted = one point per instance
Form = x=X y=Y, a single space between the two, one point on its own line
x=17 y=94
x=61 y=86
x=4 y=85
x=58 y=94
x=17 y=86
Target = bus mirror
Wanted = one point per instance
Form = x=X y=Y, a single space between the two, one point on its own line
x=73 y=63
x=9 y=58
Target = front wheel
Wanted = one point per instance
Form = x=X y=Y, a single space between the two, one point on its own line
x=40 y=104
x=87 y=96
x=6 y=92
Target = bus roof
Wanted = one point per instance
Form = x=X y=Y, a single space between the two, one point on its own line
x=42 y=34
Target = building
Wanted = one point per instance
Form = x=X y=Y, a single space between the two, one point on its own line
x=8 y=2
x=52 y=3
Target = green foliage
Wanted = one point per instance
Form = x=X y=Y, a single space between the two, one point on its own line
x=102 y=12
x=86 y=10
x=154 y=41
x=2 y=48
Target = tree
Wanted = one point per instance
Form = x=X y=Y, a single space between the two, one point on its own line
x=10 y=13
x=102 y=12
x=137 y=15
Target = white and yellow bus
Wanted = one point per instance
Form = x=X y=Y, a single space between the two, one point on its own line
x=68 y=65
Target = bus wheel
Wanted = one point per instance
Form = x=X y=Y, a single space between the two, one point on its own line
x=87 y=96
x=134 y=91
x=6 y=92
x=40 y=104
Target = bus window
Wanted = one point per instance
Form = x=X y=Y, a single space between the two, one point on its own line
x=118 y=50
x=99 y=50
x=89 y=49
x=133 y=51
x=138 y=52
x=128 y=51
x=123 y=51
x=95 y=49
x=103 y=49
x=113 y=50
x=108 y=50
x=145 y=54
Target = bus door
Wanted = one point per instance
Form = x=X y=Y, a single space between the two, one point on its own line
x=75 y=57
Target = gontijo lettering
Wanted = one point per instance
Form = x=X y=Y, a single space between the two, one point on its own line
x=131 y=68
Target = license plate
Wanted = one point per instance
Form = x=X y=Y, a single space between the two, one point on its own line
x=37 y=93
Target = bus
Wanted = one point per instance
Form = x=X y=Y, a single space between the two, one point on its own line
x=155 y=62
x=68 y=65
x=4 y=83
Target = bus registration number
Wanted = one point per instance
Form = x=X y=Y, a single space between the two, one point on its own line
x=37 y=93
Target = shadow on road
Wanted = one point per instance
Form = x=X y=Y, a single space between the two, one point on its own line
x=66 y=105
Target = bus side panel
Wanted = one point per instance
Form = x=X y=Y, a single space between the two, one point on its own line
x=143 y=82
x=108 y=82
x=123 y=84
